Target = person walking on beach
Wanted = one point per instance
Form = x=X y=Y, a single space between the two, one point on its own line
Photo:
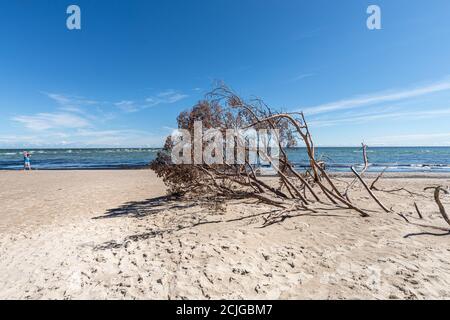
x=26 y=161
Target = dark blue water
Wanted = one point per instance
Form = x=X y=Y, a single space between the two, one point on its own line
x=395 y=159
x=403 y=159
x=78 y=158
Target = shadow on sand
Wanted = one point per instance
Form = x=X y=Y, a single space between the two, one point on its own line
x=426 y=234
x=182 y=219
x=140 y=209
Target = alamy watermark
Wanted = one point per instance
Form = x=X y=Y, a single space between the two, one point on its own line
x=73 y=21
x=230 y=146
x=374 y=20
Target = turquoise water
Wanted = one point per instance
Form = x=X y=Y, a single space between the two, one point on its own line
x=403 y=159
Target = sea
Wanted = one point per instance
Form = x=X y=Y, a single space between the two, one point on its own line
x=337 y=159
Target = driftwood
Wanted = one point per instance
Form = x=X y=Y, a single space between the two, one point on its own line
x=417 y=210
x=372 y=186
x=366 y=166
x=437 y=199
x=437 y=191
x=375 y=188
x=370 y=191
x=423 y=225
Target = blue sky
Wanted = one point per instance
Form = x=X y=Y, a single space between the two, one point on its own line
x=123 y=78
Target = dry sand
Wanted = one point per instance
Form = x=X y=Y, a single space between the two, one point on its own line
x=106 y=234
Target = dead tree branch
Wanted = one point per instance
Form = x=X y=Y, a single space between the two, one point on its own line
x=418 y=211
x=437 y=191
x=372 y=186
x=223 y=110
x=366 y=166
x=370 y=191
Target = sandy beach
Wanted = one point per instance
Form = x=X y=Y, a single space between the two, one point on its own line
x=114 y=235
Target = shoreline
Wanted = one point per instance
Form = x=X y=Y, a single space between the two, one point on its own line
x=346 y=175
x=395 y=175
x=83 y=169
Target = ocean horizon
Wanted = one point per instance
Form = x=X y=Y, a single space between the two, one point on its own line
x=338 y=159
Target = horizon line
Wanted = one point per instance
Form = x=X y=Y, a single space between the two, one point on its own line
x=317 y=146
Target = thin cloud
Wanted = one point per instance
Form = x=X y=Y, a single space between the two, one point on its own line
x=68 y=101
x=117 y=138
x=167 y=97
x=74 y=123
x=361 y=101
x=377 y=116
x=89 y=108
x=80 y=138
x=302 y=76
x=176 y=97
x=69 y=114
x=166 y=93
x=46 y=121
x=164 y=97
x=127 y=106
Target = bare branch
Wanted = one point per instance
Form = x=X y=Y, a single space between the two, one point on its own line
x=370 y=191
x=437 y=191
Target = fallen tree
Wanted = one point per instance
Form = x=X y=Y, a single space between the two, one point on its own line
x=309 y=190
x=224 y=110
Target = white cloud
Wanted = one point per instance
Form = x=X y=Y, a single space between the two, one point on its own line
x=171 y=96
x=152 y=102
x=302 y=76
x=116 y=138
x=82 y=138
x=166 y=93
x=380 y=115
x=371 y=99
x=175 y=97
x=165 y=97
x=45 y=121
x=75 y=120
x=68 y=101
x=127 y=106
x=13 y=139
x=88 y=108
